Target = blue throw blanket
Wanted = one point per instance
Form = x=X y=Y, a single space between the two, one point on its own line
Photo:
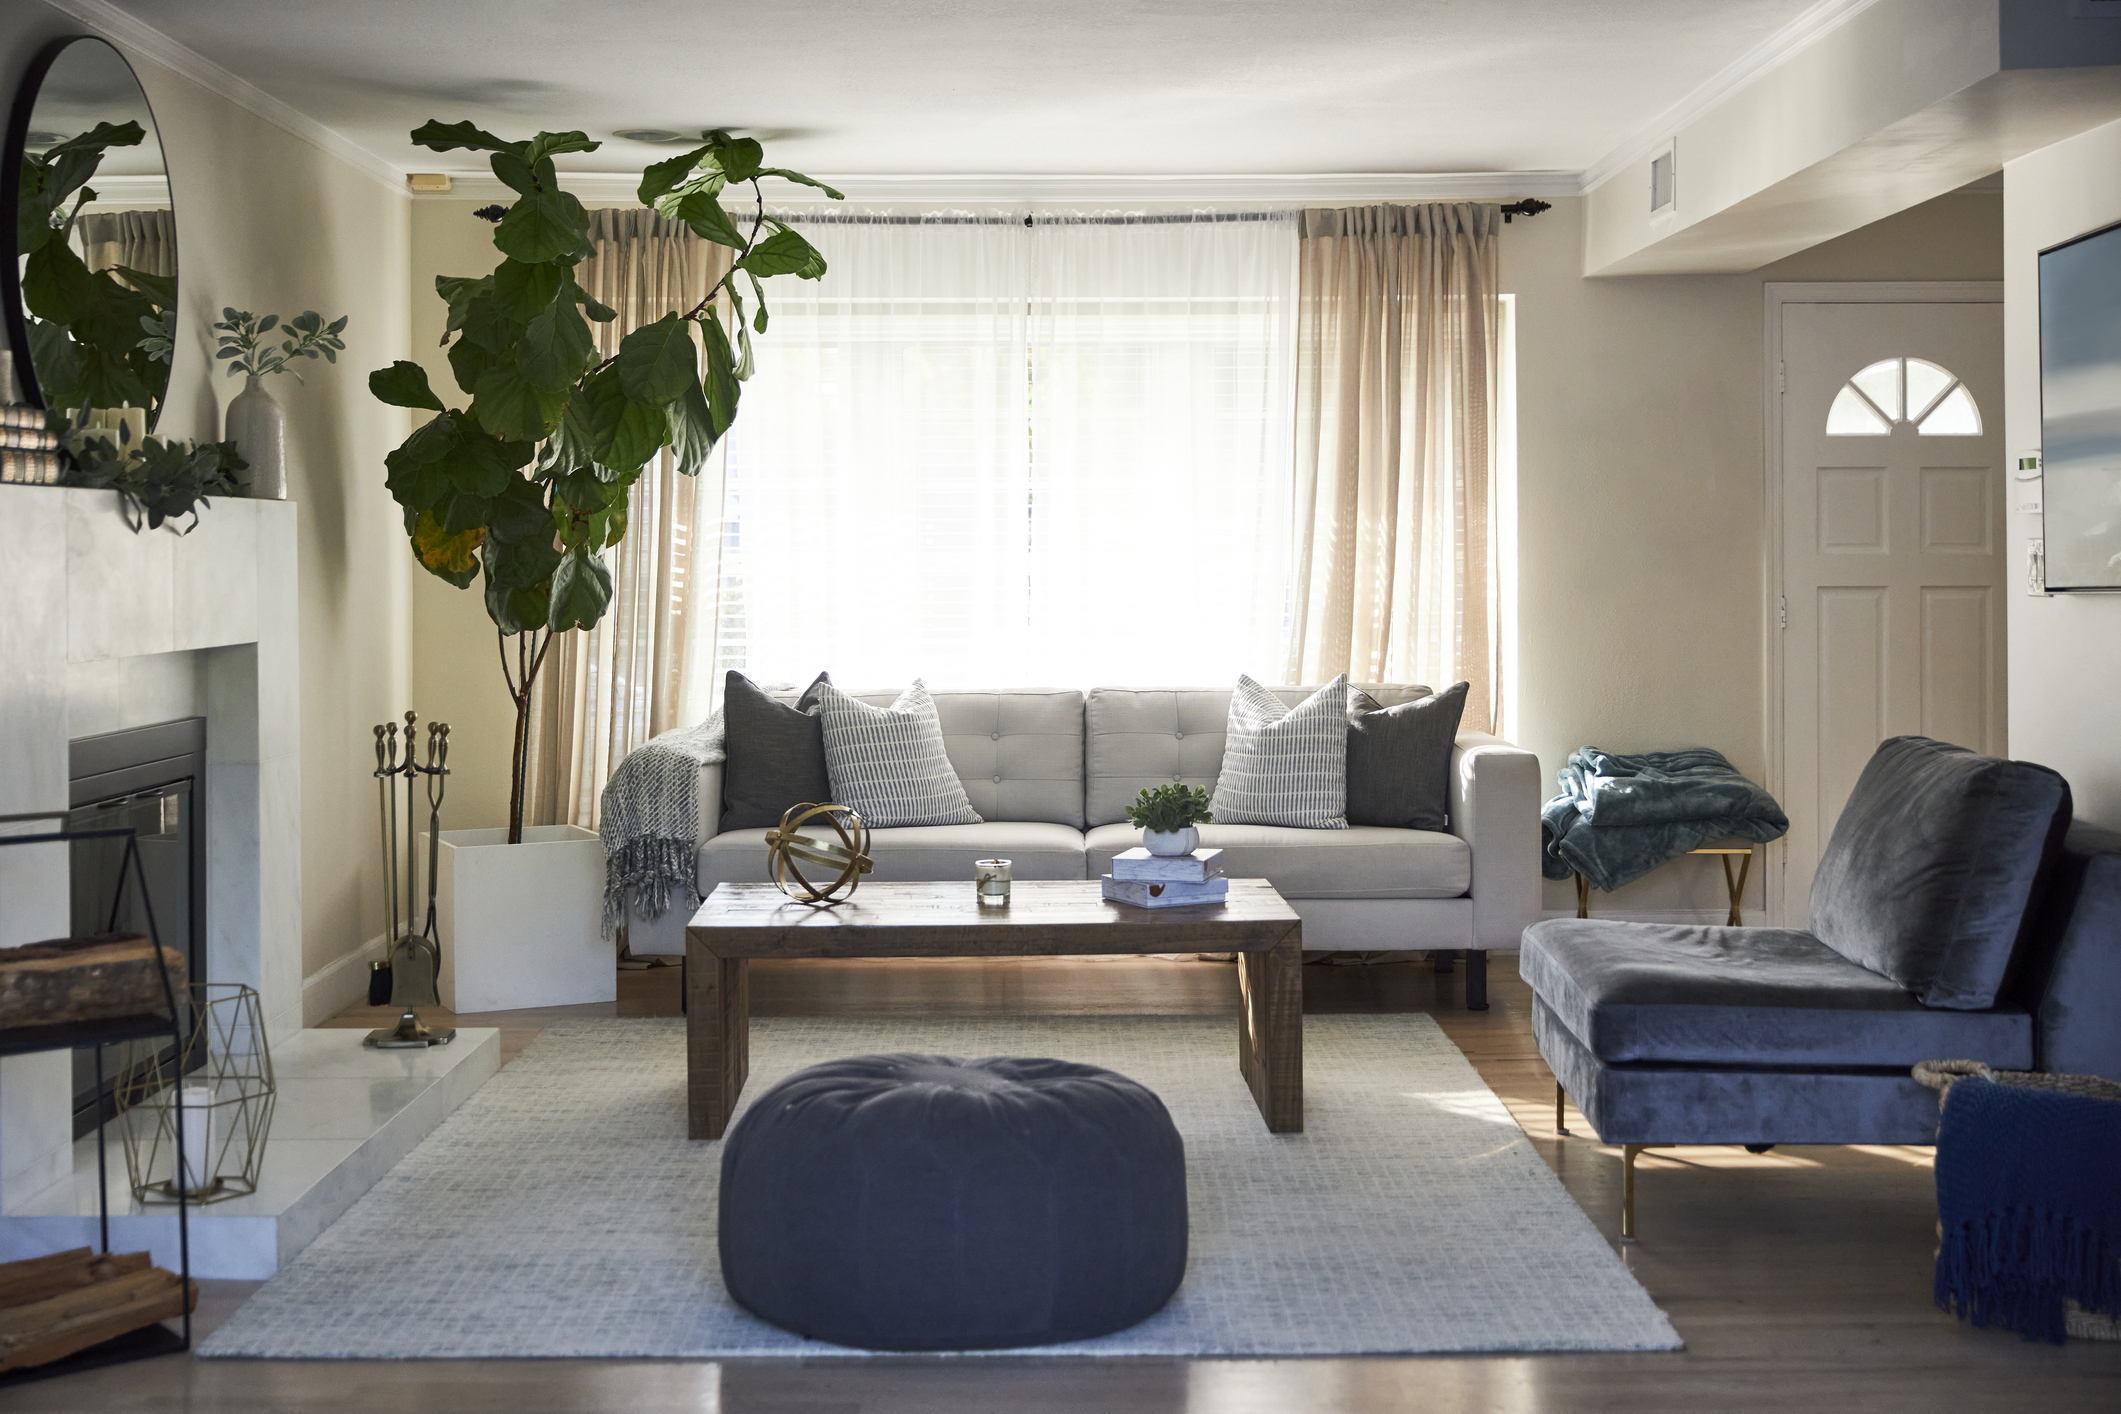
x=1619 y=817
x=2029 y=1193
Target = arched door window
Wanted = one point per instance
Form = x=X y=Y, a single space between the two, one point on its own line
x=1897 y=390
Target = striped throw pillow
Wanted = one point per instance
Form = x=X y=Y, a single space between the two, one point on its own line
x=888 y=764
x=1285 y=765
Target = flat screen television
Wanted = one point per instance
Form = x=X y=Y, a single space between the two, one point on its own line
x=2080 y=411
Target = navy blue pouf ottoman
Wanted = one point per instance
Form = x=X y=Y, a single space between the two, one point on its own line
x=909 y=1202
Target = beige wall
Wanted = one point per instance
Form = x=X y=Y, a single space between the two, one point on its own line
x=265 y=221
x=1641 y=487
x=2065 y=651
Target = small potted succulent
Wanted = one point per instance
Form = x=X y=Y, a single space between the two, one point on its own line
x=1167 y=815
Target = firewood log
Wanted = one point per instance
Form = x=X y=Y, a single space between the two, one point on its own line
x=84 y=979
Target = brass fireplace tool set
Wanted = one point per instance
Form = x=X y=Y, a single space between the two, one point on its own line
x=407 y=976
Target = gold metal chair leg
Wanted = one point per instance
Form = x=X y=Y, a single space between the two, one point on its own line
x=1627 y=1190
x=1561 y=1098
x=1736 y=884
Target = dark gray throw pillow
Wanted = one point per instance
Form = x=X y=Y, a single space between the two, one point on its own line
x=776 y=754
x=1931 y=868
x=1399 y=759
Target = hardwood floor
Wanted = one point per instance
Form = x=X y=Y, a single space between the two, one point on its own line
x=1800 y=1279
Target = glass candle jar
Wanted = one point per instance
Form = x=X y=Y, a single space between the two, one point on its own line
x=991 y=878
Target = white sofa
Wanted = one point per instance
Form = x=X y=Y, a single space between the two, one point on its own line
x=1052 y=772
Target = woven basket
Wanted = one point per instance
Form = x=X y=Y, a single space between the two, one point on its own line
x=1941 y=1075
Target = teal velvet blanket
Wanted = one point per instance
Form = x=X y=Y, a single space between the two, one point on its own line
x=1618 y=817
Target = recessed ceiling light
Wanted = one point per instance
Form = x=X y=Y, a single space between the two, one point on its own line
x=662 y=135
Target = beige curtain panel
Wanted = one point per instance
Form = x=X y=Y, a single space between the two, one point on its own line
x=145 y=241
x=604 y=692
x=1395 y=576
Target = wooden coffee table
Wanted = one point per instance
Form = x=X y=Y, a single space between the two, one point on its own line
x=738 y=922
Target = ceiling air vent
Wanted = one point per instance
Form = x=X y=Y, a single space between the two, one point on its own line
x=1664 y=181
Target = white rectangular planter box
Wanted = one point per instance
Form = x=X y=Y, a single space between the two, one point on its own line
x=522 y=924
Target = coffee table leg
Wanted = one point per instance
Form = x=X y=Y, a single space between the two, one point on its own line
x=1270 y=1031
x=717 y=1040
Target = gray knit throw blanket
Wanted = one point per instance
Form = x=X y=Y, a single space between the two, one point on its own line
x=651 y=824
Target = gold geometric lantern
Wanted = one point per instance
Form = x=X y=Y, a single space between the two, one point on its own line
x=788 y=849
x=228 y=1092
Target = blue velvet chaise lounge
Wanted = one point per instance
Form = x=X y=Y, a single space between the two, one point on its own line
x=1955 y=915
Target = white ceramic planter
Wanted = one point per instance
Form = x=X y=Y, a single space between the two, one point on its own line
x=521 y=924
x=1160 y=842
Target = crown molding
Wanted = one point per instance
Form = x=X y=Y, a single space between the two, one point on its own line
x=119 y=27
x=1807 y=28
x=1305 y=189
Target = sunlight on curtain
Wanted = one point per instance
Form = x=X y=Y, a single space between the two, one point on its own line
x=989 y=455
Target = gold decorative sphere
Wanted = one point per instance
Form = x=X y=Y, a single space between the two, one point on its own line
x=787 y=848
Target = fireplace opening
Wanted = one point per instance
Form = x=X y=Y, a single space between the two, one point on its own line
x=152 y=779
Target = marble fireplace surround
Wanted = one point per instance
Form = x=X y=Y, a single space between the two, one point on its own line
x=103 y=628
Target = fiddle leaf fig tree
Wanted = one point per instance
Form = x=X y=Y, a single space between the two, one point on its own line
x=526 y=485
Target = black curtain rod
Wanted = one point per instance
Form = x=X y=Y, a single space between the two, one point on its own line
x=1531 y=206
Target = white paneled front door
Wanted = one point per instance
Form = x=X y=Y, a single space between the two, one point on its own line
x=1892 y=547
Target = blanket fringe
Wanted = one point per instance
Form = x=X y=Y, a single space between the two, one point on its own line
x=2013 y=1268
x=641 y=875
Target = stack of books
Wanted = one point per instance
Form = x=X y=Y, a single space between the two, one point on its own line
x=1167 y=881
x=29 y=455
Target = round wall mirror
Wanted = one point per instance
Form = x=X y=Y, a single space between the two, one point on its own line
x=92 y=264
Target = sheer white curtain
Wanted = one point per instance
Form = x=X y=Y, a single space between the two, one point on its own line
x=980 y=452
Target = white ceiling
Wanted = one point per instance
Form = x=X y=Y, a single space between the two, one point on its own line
x=1081 y=87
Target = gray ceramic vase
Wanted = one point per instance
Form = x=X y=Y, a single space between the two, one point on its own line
x=258 y=427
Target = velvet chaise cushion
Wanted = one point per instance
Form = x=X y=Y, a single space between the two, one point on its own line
x=775 y=754
x=1686 y=995
x=1930 y=871
x=1399 y=758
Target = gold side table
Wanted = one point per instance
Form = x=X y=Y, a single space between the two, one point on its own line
x=1733 y=880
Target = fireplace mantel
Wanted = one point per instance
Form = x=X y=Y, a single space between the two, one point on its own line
x=84 y=593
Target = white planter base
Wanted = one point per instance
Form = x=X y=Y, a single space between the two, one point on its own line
x=521 y=924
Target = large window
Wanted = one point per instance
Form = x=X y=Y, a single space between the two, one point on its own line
x=993 y=454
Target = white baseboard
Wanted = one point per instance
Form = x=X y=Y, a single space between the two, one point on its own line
x=338 y=984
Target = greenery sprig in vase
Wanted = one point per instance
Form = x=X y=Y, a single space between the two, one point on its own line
x=1167 y=815
x=254 y=421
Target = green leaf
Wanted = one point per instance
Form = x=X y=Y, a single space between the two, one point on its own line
x=162 y=289
x=451 y=555
x=784 y=253
x=581 y=591
x=521 y=292
x=528 y=178
x=445 y=137
x=557 y=347
x=546 y=145
x=417 y=478
x=797 y=177
x=660 y=177
x=58 y=287
x=489 y=325
x=708 y=221
x=520 y=514
x=508 y=403
x=547 y=226
x=692 y=434
x=759 y=292
x=657 y=361
x=596 y=309
x=624 y=433
x=720 y=380
x=460 y=510
x=469 y=362
x=459 y=291
x=404 y=385
x=739 y=157
x=513 y=608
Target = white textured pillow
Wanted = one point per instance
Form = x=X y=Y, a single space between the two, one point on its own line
x=1285 y=765
x=888 y=763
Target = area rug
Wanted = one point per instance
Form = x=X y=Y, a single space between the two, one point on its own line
x=562 y=1212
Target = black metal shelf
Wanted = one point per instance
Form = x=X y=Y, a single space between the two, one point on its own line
x=157 y=1339
x=68 y=1035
